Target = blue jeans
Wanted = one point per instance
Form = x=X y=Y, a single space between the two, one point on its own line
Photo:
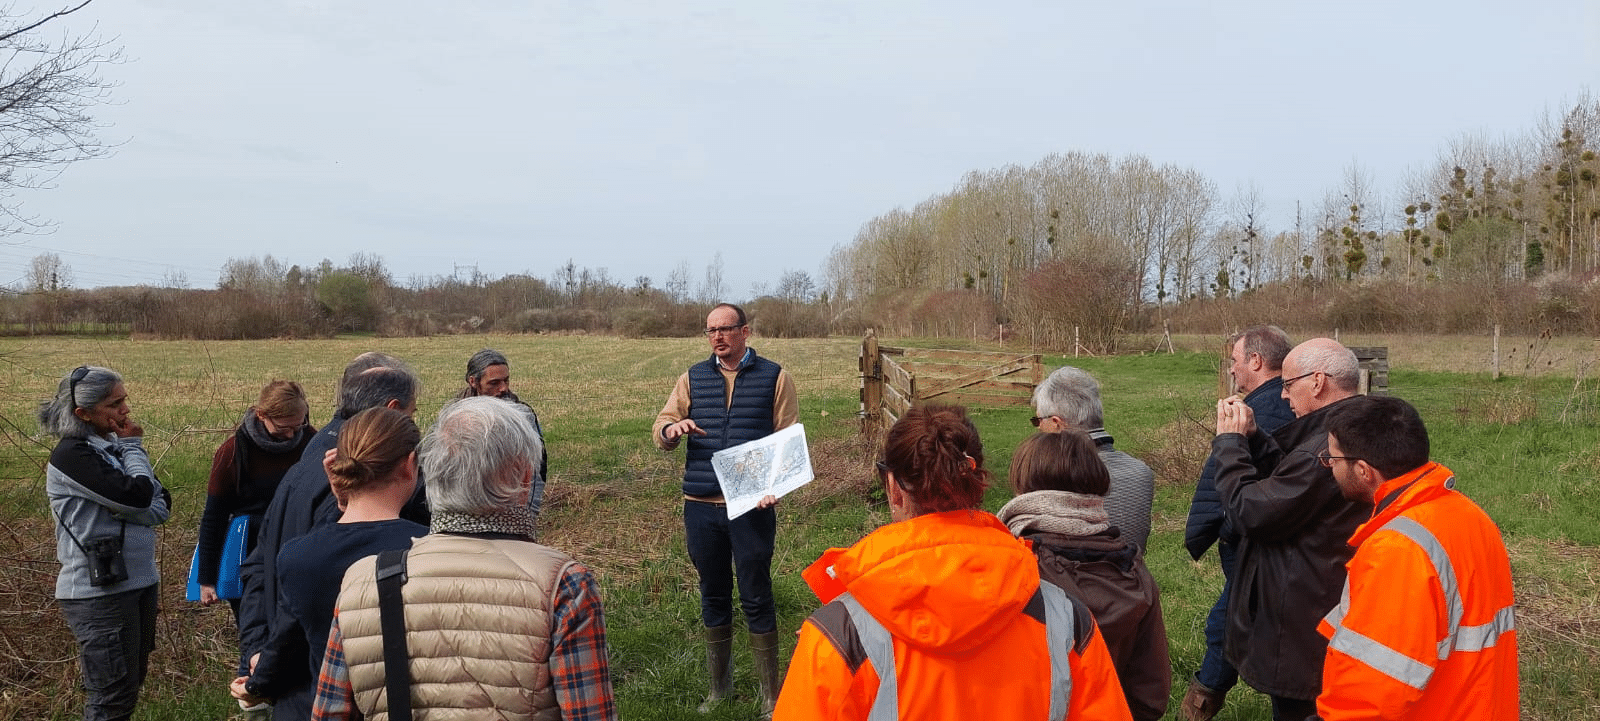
x=719 y=548
x=1215 y=671
x=116 y=634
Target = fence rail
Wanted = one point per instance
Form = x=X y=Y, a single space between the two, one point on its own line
x=894 y=379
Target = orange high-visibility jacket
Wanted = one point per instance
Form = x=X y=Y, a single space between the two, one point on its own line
x=964 y=611
x=1426 y=627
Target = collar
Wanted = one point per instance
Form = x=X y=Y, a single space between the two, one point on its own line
x=1275 y=383
x=1399 y=494
x=744 y=360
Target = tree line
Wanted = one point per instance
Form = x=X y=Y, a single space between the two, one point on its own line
x=266 y=297
x=1089 y=241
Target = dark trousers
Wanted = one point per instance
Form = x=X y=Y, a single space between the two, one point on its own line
x=116 y=634
x=721 y=548
x=1292 y=709
x=1215 y=671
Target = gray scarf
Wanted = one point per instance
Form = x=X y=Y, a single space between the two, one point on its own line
x=258 y=435
x=514 y=521
x=1063 y=512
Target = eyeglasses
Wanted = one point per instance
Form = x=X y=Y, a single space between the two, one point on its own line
x=723 y=329
x=1036 y=420
x=279 y=428
x=78 y=374
x=1327 y=459
x=883 y=470
x=1288 y=381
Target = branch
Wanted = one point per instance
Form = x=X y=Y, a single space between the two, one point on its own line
x=42 y=21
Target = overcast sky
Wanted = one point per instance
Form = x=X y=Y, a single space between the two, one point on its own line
x=634 y=136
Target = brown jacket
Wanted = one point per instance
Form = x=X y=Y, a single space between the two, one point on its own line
x=1108 y=575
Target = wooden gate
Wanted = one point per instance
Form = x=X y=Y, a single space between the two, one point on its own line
x=894 y=379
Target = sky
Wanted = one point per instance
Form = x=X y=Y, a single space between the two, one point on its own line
x=636 y=137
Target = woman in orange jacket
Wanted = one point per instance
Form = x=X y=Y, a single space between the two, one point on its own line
x=941 y=614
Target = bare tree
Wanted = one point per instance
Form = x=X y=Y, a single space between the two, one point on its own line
x=678 y=283
x=712 y=290
x=47 y=273
x=47 y=88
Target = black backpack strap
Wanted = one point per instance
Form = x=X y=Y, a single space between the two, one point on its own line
x=392 y=617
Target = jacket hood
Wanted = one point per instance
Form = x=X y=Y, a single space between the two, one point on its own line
x=941 y=582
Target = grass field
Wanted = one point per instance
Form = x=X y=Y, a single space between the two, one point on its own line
x=1526 y=447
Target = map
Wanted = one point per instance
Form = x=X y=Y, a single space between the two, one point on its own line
x=774 y=466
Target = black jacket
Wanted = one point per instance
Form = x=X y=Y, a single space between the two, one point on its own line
x=1207 y=523
x=1294 y=525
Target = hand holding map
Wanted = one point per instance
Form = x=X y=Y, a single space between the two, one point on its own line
x=774 y=465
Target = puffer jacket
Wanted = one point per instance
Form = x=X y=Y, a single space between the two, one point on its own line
x=958 y=595
x=465 y=597
x=1207 y=523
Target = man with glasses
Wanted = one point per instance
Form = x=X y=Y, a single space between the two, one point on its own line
x=1069 y=398
x=1256 y=367
x=1426 y=626
x=1293 y=523
x=733 y=397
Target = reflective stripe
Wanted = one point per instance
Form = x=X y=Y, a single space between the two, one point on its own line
x=1478 y=638
x=1060 y=630
x=1395 y=664
x=1442 y=567
x=1382 y=659
x=879 y=645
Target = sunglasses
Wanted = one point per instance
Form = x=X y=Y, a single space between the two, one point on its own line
x=78 y=374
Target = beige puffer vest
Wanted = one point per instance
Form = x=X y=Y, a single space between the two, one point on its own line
x=478 y=629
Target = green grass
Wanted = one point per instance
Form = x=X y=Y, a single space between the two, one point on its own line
x=1526 y=449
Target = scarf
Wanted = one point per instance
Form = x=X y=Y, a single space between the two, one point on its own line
x=260 y=438
x=1063 y=512
x=517 y=521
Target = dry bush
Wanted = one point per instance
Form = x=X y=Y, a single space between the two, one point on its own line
x=844 y=471
x=542 y=320
x=1084 y=299
x=39 y=656
x=1181 y=451
x=780 y=318
x=953 y=313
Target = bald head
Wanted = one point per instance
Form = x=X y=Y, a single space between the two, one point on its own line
x=1317 y=373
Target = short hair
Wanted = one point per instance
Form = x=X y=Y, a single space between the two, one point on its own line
x=1267 y=341
x=372 y=444
x=477 y=456
x=283 y=399
x=1072 y=395
x=483 y=360
x=936 y=456
x=1384 y=431
x=743 y=319
x=1066 y=461
x=56 y=417
x=374 y=387
x=1335 y=361
x=358 y=365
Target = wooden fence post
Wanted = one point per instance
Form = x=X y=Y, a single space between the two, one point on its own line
x=871 y=385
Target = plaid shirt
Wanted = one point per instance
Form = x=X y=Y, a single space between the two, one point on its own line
x=579 y=671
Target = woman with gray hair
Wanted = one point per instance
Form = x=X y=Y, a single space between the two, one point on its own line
x=106 y=501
